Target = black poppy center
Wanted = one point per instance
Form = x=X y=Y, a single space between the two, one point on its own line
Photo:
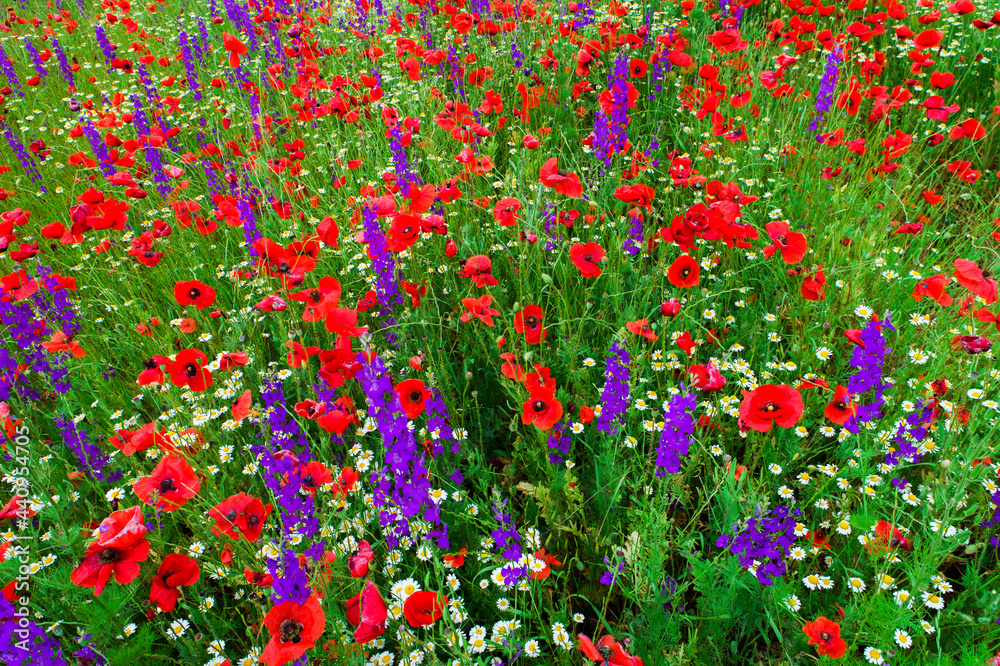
x=108 y=556
x=291 y=631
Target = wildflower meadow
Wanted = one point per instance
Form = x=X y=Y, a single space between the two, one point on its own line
x=499 y=332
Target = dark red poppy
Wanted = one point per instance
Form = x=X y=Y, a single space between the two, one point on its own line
x=413 y=396
x=367 y=611
x=587 y=258
x=294 y=628
x=825 y=635
x=194 y=293
x=176 y=570
x=424 y=608
x=684 y=272
x=542 y=409
x=358 y=563
x=171 y=483
x=780 y=404
x=188 y=369
x=530 y=322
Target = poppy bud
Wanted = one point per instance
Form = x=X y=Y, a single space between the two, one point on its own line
x=501 y=341
x=546 y=278
x=450 y=249
x=670 y=308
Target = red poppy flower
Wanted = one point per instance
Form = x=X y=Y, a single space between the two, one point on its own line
x=338 y=416
x=637 y=195
x=841 y=408
x=119 y=549
x=562 y=182
x=477 y=268
x=540 y=379
x=928 y=39
x=235 y=47
x=172 y=483
x=548 y=560
x=771 y=403
x=793 y=245
x=60 y=342
x=313 y=475
x=511 y=369
x=188 y=369
x=637 y=68
x=251 y=520
x=294 y=628
x=530 y=322
x=194 y=293
x=415 y=291
x=319 y=300
x=641 y=327
x=707 y=377
x=457 y=560
x=424 y=608
x=404 y=230
x=813 y=286
x=825 y=635
x=358 y=563
x=505 y=211
x=970 y=276
x=367 y=611
x=225 y=513
x=412 y=396
x=934 y=287
x=684 y=272
x=258 y=578
x=542 y=409
x=587 y=258
x=607 y=652
x=344 y=322
x=480 y=309
x=175 y=570
x=887 y=537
